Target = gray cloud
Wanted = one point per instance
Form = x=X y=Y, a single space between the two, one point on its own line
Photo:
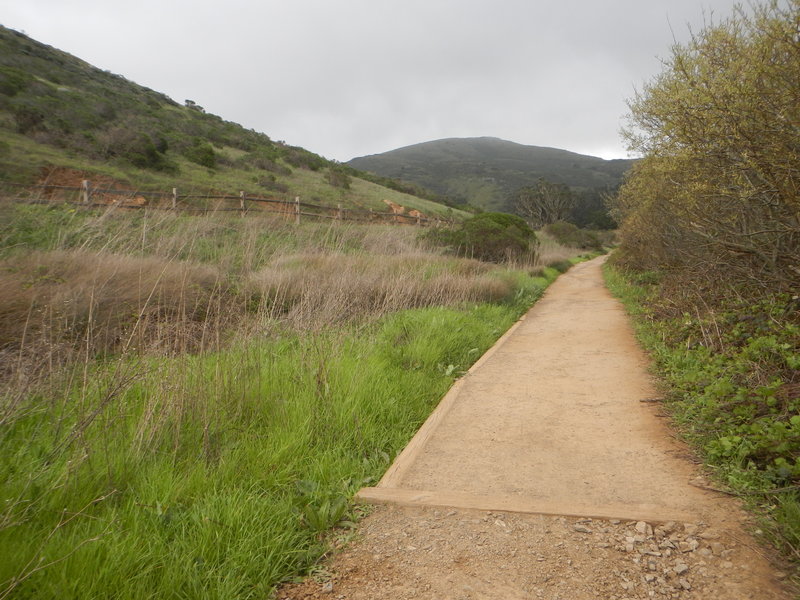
x=365 y=76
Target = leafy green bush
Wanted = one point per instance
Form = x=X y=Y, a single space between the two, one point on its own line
x=492 y=237
x=13 y=81
x=562 y=266
x=201 y=153
x=568 y=234
x=338 y=177
x=303 y=159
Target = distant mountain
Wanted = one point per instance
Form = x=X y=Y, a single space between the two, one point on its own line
x=485 y=171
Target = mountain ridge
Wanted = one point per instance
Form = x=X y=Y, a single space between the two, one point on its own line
x=486 y=171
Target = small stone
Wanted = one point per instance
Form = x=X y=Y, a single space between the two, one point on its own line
x=717 y=548
x=709 y=534
x=685 y=584
x=680 y=568
x=327 y=587
x=615 y=521
x=666 y=544
x=582 y=529
x=669 y=527
x=704 y=552
x=649 y=578
x=690 y=529
x=641 y=527
x=726 y=564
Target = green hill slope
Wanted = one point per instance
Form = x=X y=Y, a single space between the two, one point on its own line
x=59 y=111
x=485 y=171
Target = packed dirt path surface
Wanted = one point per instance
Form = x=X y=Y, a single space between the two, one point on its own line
x=549 y=472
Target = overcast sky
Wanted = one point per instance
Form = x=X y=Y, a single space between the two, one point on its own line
x=358 y=77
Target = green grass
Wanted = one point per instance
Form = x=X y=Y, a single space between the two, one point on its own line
x=218 y=476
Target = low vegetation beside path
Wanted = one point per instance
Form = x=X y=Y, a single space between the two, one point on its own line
x=189 y=403
x=730 y=377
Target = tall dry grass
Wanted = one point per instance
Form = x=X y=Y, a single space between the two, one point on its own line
x=83 y=285
x=311 y=291
x=550 y=251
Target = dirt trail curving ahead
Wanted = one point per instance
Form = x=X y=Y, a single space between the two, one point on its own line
x=548 y=472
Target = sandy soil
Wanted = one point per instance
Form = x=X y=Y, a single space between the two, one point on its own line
x=547 y=472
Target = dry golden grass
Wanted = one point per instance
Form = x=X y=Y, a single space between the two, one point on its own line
x=313 y=291
x=550 y=251
x=167 y=284
x=61 y=301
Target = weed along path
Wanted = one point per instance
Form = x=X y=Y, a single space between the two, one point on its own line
x=546 y=473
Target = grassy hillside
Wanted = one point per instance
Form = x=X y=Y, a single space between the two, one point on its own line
x=485 y=171
x=59 y=111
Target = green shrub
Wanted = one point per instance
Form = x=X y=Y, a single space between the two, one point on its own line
x=13 y=81
x=338 y=177
x=568 y=234
x=201 y=153
x=562 y=266
x=303 y=159
x=496 y=237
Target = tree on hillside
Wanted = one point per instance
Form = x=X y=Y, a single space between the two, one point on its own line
x=717 y=195
x=590 y=211
x=544 y=203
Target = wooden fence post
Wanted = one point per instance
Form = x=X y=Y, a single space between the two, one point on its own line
x=297 y=210
x=85 y=191
x=339 y=212
x=174 y=198
x=241 y=201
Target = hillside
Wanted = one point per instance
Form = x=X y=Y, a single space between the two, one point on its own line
x=485 y=171
x=59 y=111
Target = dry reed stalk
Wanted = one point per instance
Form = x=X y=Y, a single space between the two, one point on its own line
x=551 y=251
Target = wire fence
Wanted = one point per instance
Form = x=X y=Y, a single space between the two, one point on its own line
x=89 y=196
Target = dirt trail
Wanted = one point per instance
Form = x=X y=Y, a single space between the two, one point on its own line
x=546 y=473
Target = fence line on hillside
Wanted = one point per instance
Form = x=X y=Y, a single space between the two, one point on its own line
x=88 y=196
